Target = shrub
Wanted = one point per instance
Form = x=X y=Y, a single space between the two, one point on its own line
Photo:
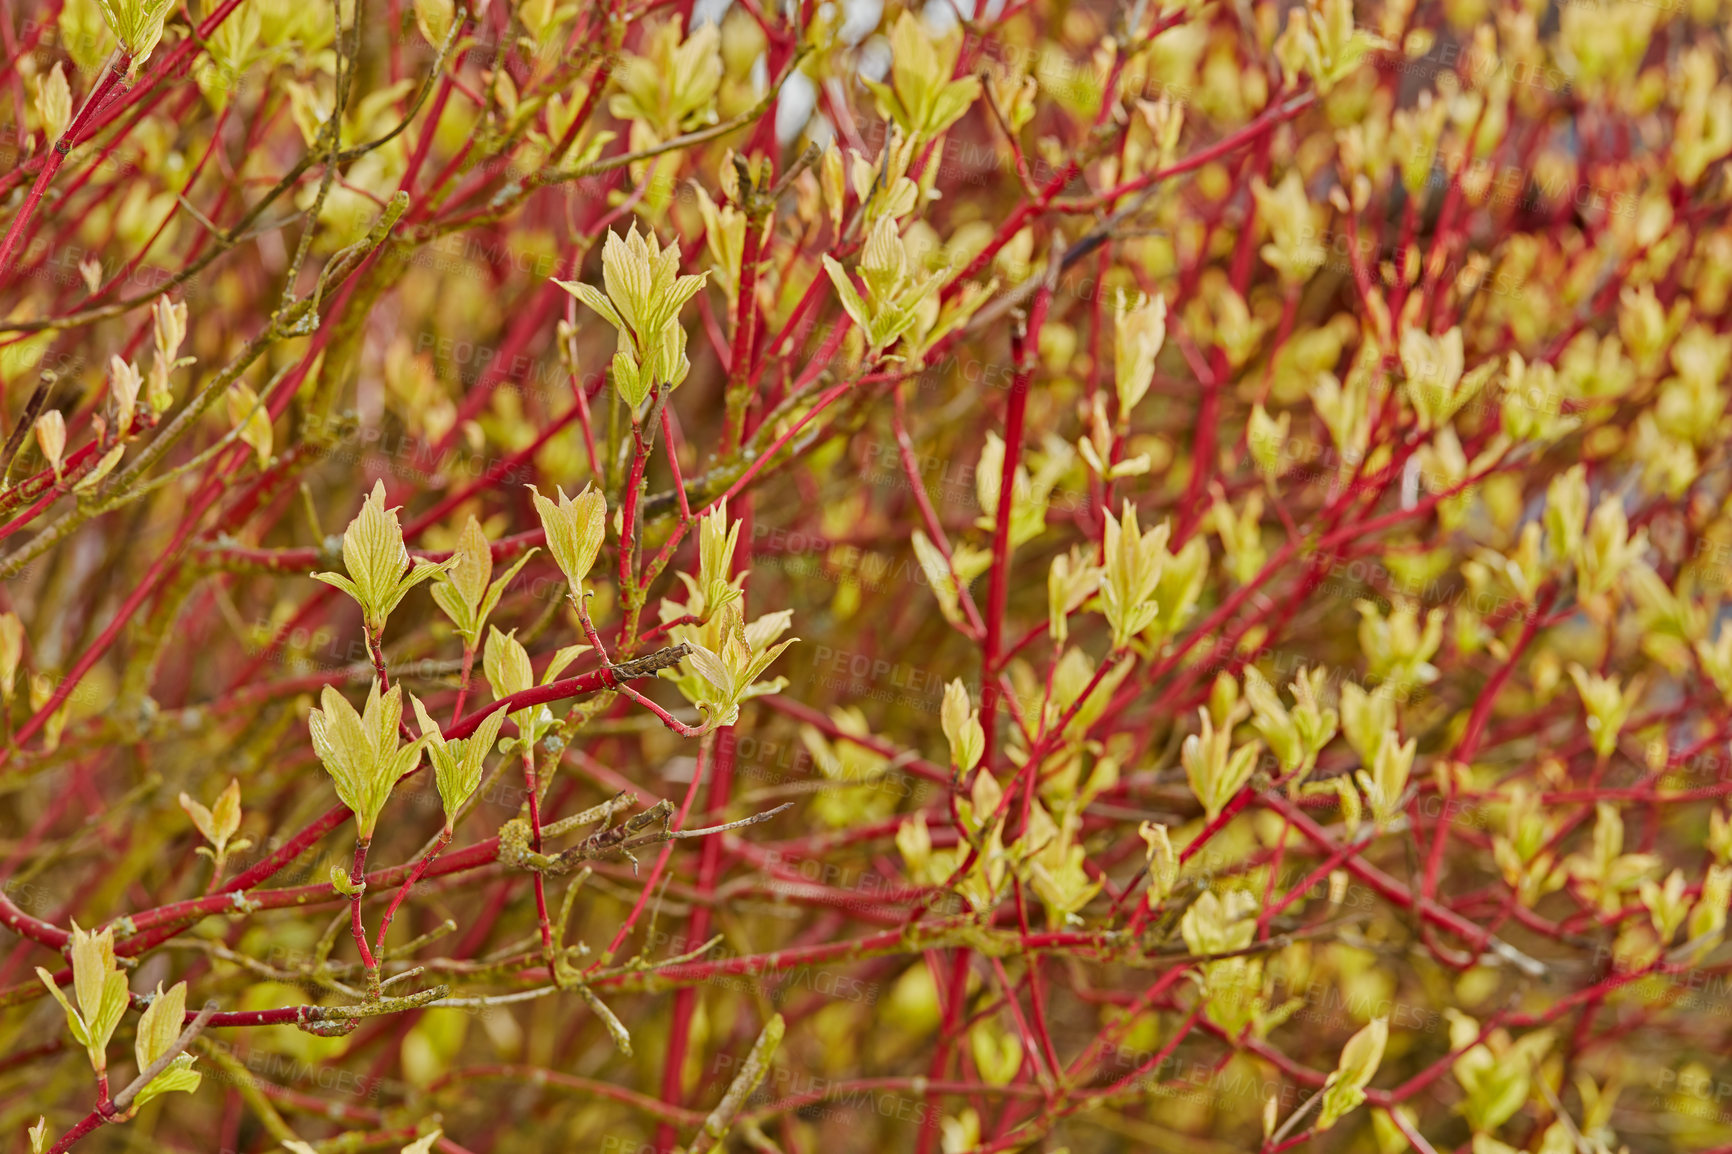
x=638 y=576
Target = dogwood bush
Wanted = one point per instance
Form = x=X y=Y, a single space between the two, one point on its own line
x=980 y=576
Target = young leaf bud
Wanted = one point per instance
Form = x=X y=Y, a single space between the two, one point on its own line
x=575 y=529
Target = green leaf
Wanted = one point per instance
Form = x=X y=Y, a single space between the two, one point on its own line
x=561 y=660
x=434 y=18
x=1360 y=1058
x=373 y=551
x=160 y=1024
x=848 y=295
x=457 y=765
x=103 y=467
x=997 y=1053
x=506 y=665
x=575 y=529
x=346 y=885
x=710 y=667
x=178 y=1076
x=360 y=751
x=495 y=591
x=471 y=565
x=73 y=1021
x=252 y=421
x=341 y=582
x=596 y=300
x=450 y=601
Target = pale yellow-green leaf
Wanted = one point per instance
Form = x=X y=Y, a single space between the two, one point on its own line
x=50 y=432
x=160 y=1024
x=434 y=18
x=962 y=729
x=360 y=750
x=12 y=653
x=575 y=529
x=101 y=470
x=252 y=421
x=1360 y=1058
x=997 y=1053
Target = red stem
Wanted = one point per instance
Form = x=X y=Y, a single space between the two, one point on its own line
x=408 y=883
x=356 y=875
x=73 y=136
x=998 y=591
